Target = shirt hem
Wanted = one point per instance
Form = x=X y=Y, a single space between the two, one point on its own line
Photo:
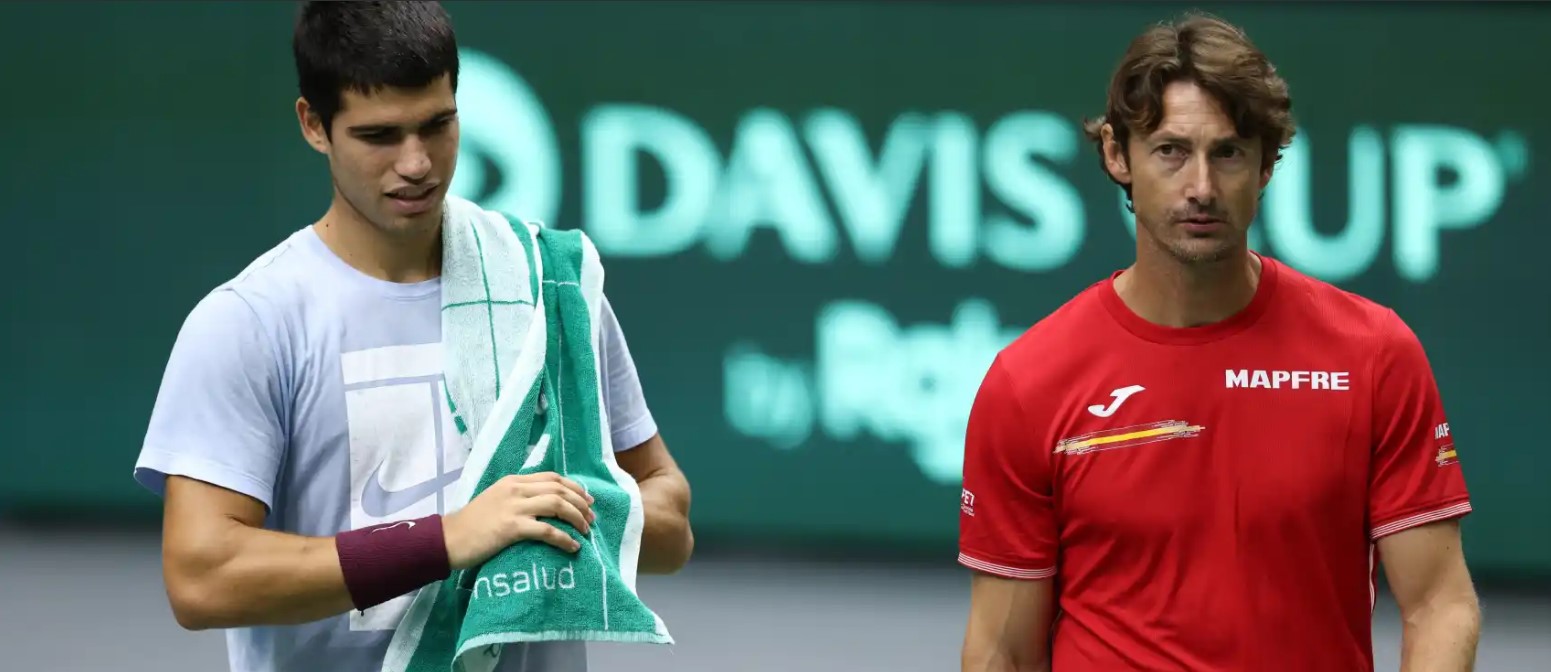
x=633 y=434
x=1453 y=510
x=156 y=465
x=1005 y=571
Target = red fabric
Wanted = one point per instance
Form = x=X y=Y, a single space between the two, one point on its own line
x=1222 y=516
x=385 y=561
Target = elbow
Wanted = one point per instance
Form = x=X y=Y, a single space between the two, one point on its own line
x=673 y=551
x=194 y=606
x=998 y=661
x=669 y=541
x=686 y=548
x=683 y=546
x=1002 y=647
x=1457 y=613
x=195 y=593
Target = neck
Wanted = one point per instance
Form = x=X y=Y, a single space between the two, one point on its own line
x=409 y=256
x=1166 y=291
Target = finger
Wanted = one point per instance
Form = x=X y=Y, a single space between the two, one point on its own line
x=577 y=488
x=570 y=494
x=549 y=534
x=579 y=517
x=536 y=477
x=582 y=505
x=557 y=506
x=571 y=490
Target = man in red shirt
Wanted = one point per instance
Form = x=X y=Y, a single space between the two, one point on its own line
x=1199 y=462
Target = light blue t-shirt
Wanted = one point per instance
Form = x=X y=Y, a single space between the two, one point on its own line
x=318 y=390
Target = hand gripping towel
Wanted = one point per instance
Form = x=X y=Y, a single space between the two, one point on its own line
x=520 y=307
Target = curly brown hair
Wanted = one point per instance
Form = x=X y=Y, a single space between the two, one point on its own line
x=1215 y=55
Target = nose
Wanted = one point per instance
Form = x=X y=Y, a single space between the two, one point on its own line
x=1201 y=183
x=414 y=162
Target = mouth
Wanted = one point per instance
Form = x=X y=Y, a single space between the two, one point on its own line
x=413 y=200
x=1201 y=224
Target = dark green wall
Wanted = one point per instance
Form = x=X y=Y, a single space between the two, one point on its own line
x=810 y=323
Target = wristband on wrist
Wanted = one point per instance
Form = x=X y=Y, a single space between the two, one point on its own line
x=385 y=561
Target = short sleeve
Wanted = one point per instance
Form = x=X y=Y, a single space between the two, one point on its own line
x=630 y=420
x=217 y=414
x=1415 y=477
x=1007 y=521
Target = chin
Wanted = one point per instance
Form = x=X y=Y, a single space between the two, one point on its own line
x=1202 y=250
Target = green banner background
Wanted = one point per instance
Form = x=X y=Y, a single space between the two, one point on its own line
x=821 y=219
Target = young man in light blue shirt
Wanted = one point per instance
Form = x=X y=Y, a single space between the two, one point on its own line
x=303 y=403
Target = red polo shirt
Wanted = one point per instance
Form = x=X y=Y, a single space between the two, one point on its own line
x=1208 y=498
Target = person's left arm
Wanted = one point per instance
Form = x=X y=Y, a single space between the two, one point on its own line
x=666 y=539
x=1441 y=618
x=1416 y=496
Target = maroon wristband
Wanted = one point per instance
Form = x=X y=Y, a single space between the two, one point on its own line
x=382 y=562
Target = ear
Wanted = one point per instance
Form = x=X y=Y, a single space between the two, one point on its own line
x=1115 y=160
x=1265 y=177
x=312 y=126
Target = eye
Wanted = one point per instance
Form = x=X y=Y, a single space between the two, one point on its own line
x=437 y=126
x=379 y=137
x=1230 y=152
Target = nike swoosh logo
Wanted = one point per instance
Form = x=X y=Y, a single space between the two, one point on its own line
x=1120 y=397
x=379 y=502
x=410 y=523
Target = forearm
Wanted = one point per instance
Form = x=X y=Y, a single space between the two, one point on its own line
x=1441 y=637
x=251 y=576
x=666 y=539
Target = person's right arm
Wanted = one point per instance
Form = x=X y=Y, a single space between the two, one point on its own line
x=223 y=569
x=1007 y=534
x=213 y=449
x=1005 y=618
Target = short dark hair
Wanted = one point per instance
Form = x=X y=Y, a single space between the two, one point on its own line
x=367 y=46
x=1215 y=55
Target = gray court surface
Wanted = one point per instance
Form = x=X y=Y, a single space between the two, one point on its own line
x=94 y=601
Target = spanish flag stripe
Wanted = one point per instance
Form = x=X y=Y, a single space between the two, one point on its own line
x=1131 y=436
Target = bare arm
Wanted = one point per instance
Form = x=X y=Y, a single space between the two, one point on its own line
x=1441 y=618
x=222 y=569
x=1009 y=625
x=667 y=541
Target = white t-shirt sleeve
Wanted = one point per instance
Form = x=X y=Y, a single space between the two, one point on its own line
x=630 y=421
x=217 y=416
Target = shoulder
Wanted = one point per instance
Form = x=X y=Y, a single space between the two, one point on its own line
x=250 y=314
x=1070 y=324
x=1334 y=314
x=277 y=279
x=1054 y=348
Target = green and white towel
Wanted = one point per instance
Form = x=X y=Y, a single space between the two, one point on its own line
x=522 y=380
